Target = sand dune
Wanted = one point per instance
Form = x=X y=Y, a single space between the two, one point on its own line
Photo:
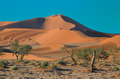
x=48 y=23
x=23 y=36
x=115 y=39
x=53 y=46
x=3 y=23
x=105 y=45
x=54 y=22
x=65 y=36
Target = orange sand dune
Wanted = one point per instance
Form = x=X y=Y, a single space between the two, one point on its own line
x=41 y=49
x=106 y=45
x=53 y=46
x=48 y=23
x=54 y=22
x=115 y=39
x=65 y=36
x=23 y=36
x=28 y=57
x=3 y=23
x=24 y=29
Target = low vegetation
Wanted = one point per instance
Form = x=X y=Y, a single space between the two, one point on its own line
x=4 y=63
x=13 y=68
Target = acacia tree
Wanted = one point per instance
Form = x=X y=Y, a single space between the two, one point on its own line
x=14 y=48
x=23 y=50
x=71 y=53
x=114 y=53
x=84 y=54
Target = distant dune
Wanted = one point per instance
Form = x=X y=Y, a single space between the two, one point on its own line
x=65 y=36
x=48 y=23
x=115 y=39
x=3 y=23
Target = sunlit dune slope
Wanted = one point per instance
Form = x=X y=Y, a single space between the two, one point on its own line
x=65 y=36
x=115 y=39
x=23 y=36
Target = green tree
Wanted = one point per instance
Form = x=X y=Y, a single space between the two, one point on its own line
x=114 y=53
x=100 y=53
x=23 y=50
x=14 y=48
x=84 y=54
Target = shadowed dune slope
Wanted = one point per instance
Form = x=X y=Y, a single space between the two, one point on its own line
x=53 y=46
x=115 y=39
x=3 y=23
x=65 y=36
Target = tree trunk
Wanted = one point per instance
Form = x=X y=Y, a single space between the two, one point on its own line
x=22 y=57
x=92 y=61
x=73 y=60
x=17 y=57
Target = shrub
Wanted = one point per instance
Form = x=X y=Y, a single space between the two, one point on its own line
x=31 y=63
x=115 y=68
x=3 y=63
x=52 y=66
x=60 y=62
x=13 y=67
x=43 y=65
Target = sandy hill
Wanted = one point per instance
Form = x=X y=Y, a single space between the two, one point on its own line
x=54 y=46
x=38 y=36
x=65 y=36
x=48 y=23
x=23 y=36
x=54 y=22
x=115 y=39
x=3 y=23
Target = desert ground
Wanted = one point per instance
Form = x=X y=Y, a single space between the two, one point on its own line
x=47 y=36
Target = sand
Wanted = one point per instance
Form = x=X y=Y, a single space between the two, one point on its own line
x=28 y=57
x=3 y=23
